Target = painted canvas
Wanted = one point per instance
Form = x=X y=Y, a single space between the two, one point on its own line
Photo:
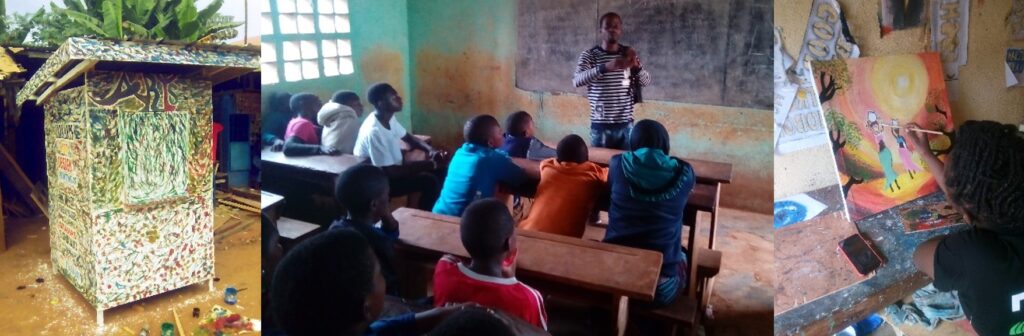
x=866 y=102
x=899 y=15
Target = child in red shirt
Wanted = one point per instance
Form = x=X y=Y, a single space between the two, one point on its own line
x=488 y=234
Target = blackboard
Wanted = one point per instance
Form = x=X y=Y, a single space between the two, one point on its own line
x=712 y=52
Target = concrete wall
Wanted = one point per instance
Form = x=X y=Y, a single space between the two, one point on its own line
x=380 y=53
x=463 y=63
x=982 y=91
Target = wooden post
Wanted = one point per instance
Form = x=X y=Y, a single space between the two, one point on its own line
x=621 y=314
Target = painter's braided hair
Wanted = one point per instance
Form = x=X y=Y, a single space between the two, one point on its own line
x=986 y=175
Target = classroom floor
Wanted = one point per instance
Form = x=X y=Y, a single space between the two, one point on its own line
x=53 y=307
x=742 y=299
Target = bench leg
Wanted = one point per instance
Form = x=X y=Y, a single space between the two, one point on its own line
x=99 y=317
x=714 y=218
x=621 y=314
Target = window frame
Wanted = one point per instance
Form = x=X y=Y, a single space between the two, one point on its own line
x=278 y=39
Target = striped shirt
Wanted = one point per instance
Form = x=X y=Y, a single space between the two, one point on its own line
x=611 y=100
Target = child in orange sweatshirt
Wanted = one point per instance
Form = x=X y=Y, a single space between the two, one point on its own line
x=568 y=190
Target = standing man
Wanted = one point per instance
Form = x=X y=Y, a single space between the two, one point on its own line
x=608 y=70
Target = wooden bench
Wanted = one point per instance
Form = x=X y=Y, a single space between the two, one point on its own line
x=307 y=182
x=544 y=258
x=293 y=231
x=271 y=204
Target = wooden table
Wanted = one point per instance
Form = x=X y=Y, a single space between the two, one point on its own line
x=572 y=262
x=896 y=279
x=307 y=182
x=708 y=172
x=271 y=204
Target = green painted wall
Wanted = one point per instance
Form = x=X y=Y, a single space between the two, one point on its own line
x=462 y=61
x=380 y=53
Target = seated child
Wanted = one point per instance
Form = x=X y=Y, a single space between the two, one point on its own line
x=331 y=284
x=363 y=191
x=983 y=178
x=473 y=321
x=477 y=167
x=340 y=118
x=569 y=187
x=649 y=189
x=488 y=234
x=379 y=139
x=300 y=137
x=519 y=140
x=271 y=255
x=274 y=116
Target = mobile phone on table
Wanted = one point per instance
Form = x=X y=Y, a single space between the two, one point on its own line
x=857 y=251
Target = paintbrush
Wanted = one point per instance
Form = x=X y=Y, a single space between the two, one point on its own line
x=914 y=129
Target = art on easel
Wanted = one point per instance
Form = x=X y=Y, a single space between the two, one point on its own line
x=867 y=102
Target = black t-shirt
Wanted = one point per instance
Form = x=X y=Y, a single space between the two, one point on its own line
x=987 y=269
x=383 y=245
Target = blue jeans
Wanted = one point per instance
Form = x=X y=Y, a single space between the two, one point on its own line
x=669 y=287
x=615 y=136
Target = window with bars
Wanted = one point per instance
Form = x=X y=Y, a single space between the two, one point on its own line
x=305 y=39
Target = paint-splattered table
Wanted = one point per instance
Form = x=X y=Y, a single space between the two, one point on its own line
x=896 y=279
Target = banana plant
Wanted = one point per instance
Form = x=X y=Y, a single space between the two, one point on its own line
x=149 y=19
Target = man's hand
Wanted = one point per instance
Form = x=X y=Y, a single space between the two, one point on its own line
x=632 y=60
x=617 y=64
x=277 y=145
x=439 y=157
x=329 y=150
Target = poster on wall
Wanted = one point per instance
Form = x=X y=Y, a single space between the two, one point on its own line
x=827 y=37
x=949 y=30
x=1015 y=20
x=1014 y=67
x=874 y=98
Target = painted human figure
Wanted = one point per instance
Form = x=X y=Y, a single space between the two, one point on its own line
x=905 y=155
x=884 y=154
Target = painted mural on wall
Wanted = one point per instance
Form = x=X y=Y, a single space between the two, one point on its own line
x=138 y=222
x=873 y=98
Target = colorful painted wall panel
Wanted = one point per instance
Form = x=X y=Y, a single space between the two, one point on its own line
x=128 y=157
x=868 y=97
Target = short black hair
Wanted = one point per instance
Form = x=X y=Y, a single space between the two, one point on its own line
x=322 y=284
x=298 y=102
x=472 y=321
x=344 y=96
x=358 y=186
x=516 y=122
x=649 y=134
x=277 y=102
x=572 y=148
x=478 y=128
x=986 y=175
x=606 y=16
x=485 y=227
x=376 y=92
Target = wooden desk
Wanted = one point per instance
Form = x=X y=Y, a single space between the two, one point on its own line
x=597 y=267
x=307 y=182
x=271 y=204
x=405 y=146
x=843 y=306
x=708 y=172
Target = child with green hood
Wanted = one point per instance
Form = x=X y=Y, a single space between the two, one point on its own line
x=649 y=189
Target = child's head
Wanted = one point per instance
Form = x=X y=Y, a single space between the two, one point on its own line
x=350 y=99
x=363 y=191
x=649 y=134
x=487 y=231
x=483 y=130
x=277 y=102
x=384 y=98
x=610 y=26
x=329 y=283
x=305 y=105
x=472 y=321
x=272 y=250
x=572 y=148
x=985 y=175
x=519 y=124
